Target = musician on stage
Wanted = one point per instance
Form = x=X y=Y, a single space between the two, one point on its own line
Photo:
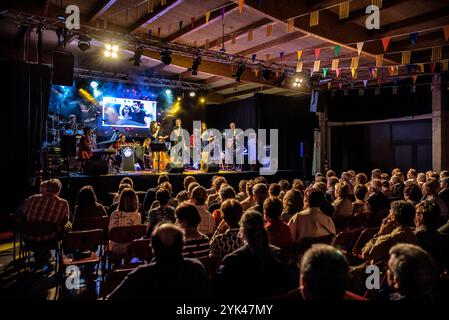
x=71 y=127
x=121 y=140
x=233 y=139
x=156 y=135
x=85 y=147
x=178 y=137
x=159 y=159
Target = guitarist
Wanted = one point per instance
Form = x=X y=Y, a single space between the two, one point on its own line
x=233 y=141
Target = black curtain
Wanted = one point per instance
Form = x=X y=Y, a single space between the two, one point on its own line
x=242 y=112
x=26 y=92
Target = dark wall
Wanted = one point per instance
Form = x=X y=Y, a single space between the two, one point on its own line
x=384 y=146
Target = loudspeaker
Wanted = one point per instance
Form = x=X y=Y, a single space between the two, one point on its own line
x=175 y=168
x=63 y=64
x=68 y=146
x=96 y=167
x=213 y=167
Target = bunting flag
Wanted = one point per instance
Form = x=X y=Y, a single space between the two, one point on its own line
x=256 y=71
x=361 y=91
x=206 y=45
x=393 y=71
x=337 y=51
x=317 y=53
x=149 y=33
x=253 y=57
x=299 y=54
x=335 y=63
x=420 y=67
x=343 y=11
x=373 y=72
x=406 y=55
x=436 y=54
x=250 y=35
x=432 y=67
x=267 y=56
x=241 y=3
x=411 y=68
x=299 y=66
x=314 y=18
x=290 y=23
x=365 y=82
x=233 y=37
x=414 y=78
x=446 y=32
x=207 y=16
x=316 y=66
x=413 y=38
x=180 y=24
x=340 y=85
x=269 y=30
x=354 y=73
x=444 y=65
x=329 y=85
x=379 y=60
x=360 y=47
x=377 y=3
x=192 y=22
x=324 y=72
x=222 y=12
x=195 y=44
x=281 y=55
x=338 y=72
x=159 y=32
x=385 y=43
x=354 y=63
x=218 y=42
x=150 y=5
x=163 y=2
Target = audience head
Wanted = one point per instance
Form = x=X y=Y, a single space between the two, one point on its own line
x=412 y=174
x=199 y=195
x=86 y=197
x=249 y=188
x=167 y=186
x=284 y=184
x=345 y=176
x=361 y=178
x=330 y=173
x=192 y=186
x=444 y=174
x=430 y=187
x=320 y=186
x=342 y=190
x=272 y=208
x=332 y=181
x=360 y=192
x=274 y=190
x=444 y=183
x=187 y=181
x=167 y=242
x=298 y=185
x=397 y=190
x=412 y=193
x=260 y=193
x=128 y=201
x=320 y=179
x=242 y=186
x=260 y=179
x=375 y=174
x=427 y=214
x=187 y=215
x=253 y=232
x=43 y=186
x=403 y=212
x=127 y=180
x=163 y=196
x=226 y=192
x=293 y=201
x=313 y=198
x=395 y=179
x=162 y=178
x=384 y=176
x=231 y=211
x=375 y=185
x=324 y=273
x=216 y=184
x=422 y=177
x=53 y=186
x=411 y=271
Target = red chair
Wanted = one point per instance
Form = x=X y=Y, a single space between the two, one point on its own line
x=366 y=235
x=125 y=234
x=140 y=249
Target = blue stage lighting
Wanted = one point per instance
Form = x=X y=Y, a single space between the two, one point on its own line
x=168 y=92
x=94 y=84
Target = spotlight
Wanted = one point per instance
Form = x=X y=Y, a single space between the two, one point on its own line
x=84 y=43
x=178 y=98
x=137 y=56
x=202 y=100
x=240 y=68
x=298 y=82
x=107 y=54
x=168 y=92
x=166 y=57
x=266 y=74
x=192 y=94
x=196 y=63
x=111 y=50
x=94 y=84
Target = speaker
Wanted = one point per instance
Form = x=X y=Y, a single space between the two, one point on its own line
x=96 y=167
x=68 y=146
x=175 y=168
x=213 y=167
x=63 y=65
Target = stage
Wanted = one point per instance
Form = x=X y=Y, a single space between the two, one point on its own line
x=106 y=185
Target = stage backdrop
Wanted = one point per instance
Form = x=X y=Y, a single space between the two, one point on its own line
x=26 y=92
x=290 y=115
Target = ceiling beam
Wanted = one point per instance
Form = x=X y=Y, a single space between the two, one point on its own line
x=354 y=15
x=412 y=21
x=212 y=80
x=229 y=86
x=433 y=39
x=239 y=33
x=153 y=16
x=247 y=91
x=201 y=23
x=101 y=9
x=273 y=43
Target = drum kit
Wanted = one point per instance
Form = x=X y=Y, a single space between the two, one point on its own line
x=57 y=127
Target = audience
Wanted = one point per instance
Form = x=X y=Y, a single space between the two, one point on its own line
x=274 y=190
x=292 y=203
x=242 y=190
x=444 y=193
x=163 y=213
x=360 y=205
x=278 y=231
x=285 y=186
x=342 y=203
x=114 y=205
x=126 y=182
x=87 y=205
x=260 y=193
x=171 y=202
x=150 y=196
x=377 y=201
x=249 y=201
x=226 y=192
x=216 y=185
x=183 y=195
x=430 y=193
x=198 y=198
x=412 y=194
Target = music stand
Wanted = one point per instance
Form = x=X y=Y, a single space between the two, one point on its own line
x=158 y=147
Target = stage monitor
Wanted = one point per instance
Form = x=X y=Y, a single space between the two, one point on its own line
x=127 y=113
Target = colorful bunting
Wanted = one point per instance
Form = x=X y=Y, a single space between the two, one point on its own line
x=365 y=82
x=444 y=65
x=446 y=32
x=337 y=50
x=299 y=54
x=180 y=24
x=316 y=66
x=406 y=55
x=379 y=60
x=250 y=35
x=281 y=55
x=432 y=67
x=253 y=57
x=269 y=30
x=420 y=67
x=385 y=43
x=354 y=73
x=233 y=37
x=393 y=71
x=206 y=45
x=413 y=38
x=335 y=63
x=360 y=47
x=150 y=5
x=411 y=68
x=222 y=12
x=324 y=72
x=377 y=3
x=241 y=3
x=207 y=16
x=290 y=23
x=436 y=53
x=267 y=56
x=317 y=53
x=299 y=65
x=343 y=11
x=354 y=63
x=314 y=18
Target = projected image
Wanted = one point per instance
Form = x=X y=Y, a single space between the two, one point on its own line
x=119 y=112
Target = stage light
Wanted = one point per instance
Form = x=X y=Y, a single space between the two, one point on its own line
x=297 y=82
x=178 y=98
x=108 y=47
x=192 y=94
x=84 y=43
x=202 y=100
x=115 y=48
x=137 y=56
x=111 y=50
x=266 y=74
x=114 y=54
x=196 y=63
x=107 y=54
x=240 y=69
x=166 y=57
x=94 y=84
x=168 y=92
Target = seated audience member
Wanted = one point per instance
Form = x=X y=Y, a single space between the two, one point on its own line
x=188 y=218
x=216 y=185
x=444 y=193
x=169 y=276
x=361 y=178
x=430 y=193
x=311 y=222
x=298 y=185
x=444 y=229
x=421 y=179
x=444 y=174
x=242 y=191
x=292 y=203
x=411 y=273
x=226 y=192
x=342 y=203
x=87 y=205
x=376 y=174
x=274 y=190
x=125 y=181
x=260 y=193
x=183 y=195
x=223 y=243
x=249 y=201
x=45 y=207
x=192 y=186
x=386 y=188
x=384 y=176
x=285 y=186
x=211 y=190
x=397 y=191
x=426 y=222
x=254 y=270
x=412 y=194
x=171 y=202
x=360 y=204
x=330 y=193
x=163 y=213
x=114 y=205
x=150 y=196
x=278 y=231
x=320 y=179
x=396 y=228
x=330 y=173
x=412 y=175
x=377 y=200
x=198 y=198
x=326 y=205
x=127 y=214
x=260 y=179
x=324 y=274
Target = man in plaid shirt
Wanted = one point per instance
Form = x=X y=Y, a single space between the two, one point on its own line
x=46 y=206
